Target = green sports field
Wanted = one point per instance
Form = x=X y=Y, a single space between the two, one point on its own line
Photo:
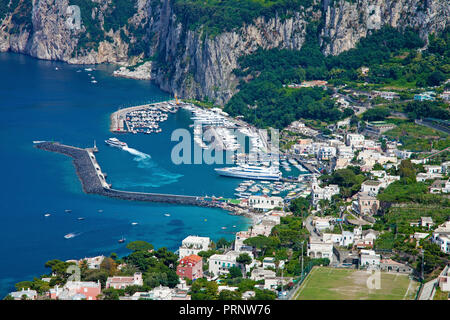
x=324 y=283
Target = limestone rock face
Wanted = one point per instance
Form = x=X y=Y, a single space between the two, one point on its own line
x=192 y=63
x=202 y=66
x=346 y=22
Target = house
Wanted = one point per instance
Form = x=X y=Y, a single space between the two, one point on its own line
x=190 y=267
x=365 y=238
x=440 y=186
x=261 y=274
x=365 y=204
x=265 y=202
x=378 y=127
x=432 y=169
x=369 y=258
x=193 y=245
x=220 y=263
x=426 y=222
x=343 y=239
x=325 y=193
x=390 y=265
x=423 y=176
x=29 y=294
x=119 y=282
x=441 y=236
x=269 y=262
x=272 y=283
x=354 y=140
x=445 y=96
x=317 y=248
x=77 y=290
x=444 y=279
x=326 y=153
x=321 y=223
x=371 y=187
x=423 y=97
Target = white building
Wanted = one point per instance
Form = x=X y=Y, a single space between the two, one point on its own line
x=369 y=258
x=220 y=263
x=444 y=279
x=265 y=202
x=317 y=248
x=261 y=274
x=441 y=236
x=343 y=239
x=354 y=140
x=318 y=193
x=371 y=187
x=29 y=294
x=193 y=245
x=326 y=153
x=269 y=262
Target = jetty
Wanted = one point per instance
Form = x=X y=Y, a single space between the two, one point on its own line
x=93 y=180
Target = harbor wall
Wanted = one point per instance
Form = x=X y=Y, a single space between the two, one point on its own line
x=91 y=183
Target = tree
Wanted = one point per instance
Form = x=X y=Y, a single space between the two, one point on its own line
x=203 y=289
x=230 y=295
x=264 y=295
x=139 y=246
x=300 y=206
x=407 y=171
x=244 y=259
x=235 y=272
x=222 y=243
x=109 y=265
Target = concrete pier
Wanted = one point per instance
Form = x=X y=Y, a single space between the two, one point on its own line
x=94 y=181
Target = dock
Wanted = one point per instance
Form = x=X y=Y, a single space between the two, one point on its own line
x=93 y=180
x=118 y=123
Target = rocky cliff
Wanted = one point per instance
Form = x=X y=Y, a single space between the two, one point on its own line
x=347 y=21
x=190 y=61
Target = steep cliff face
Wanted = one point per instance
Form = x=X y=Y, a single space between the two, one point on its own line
x=197 y=66
x=345 y=22
x=56 y=30
x=189 y=61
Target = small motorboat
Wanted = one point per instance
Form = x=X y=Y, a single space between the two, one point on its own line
x=67 y=211
x=167 y=214
x=69 y=235
x=134 y=223
x=100 y=211
x=80 y=218
x=223 y=228
x=122 y=240
x=47 y=215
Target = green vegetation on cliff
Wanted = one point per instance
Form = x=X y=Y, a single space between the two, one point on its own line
x=264 y=100
x=217 y=16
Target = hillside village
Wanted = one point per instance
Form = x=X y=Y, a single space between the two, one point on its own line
x=369 y=204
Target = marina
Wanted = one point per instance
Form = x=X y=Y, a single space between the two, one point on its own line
x=143 y=118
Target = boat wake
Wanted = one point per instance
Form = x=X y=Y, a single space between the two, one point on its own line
x=139 y=155
x=157 y=177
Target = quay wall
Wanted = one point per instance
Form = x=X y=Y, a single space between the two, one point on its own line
x=91 y=182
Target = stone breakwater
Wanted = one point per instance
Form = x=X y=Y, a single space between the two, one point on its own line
x=91 y=181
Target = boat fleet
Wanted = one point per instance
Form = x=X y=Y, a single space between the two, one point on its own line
x=147 y=119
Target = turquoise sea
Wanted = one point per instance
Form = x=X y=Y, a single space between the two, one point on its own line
x=38 y=102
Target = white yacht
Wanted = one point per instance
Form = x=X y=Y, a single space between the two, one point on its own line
x=251 y=172
x=114 y=142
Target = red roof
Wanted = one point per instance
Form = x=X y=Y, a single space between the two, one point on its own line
x=193 y=258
